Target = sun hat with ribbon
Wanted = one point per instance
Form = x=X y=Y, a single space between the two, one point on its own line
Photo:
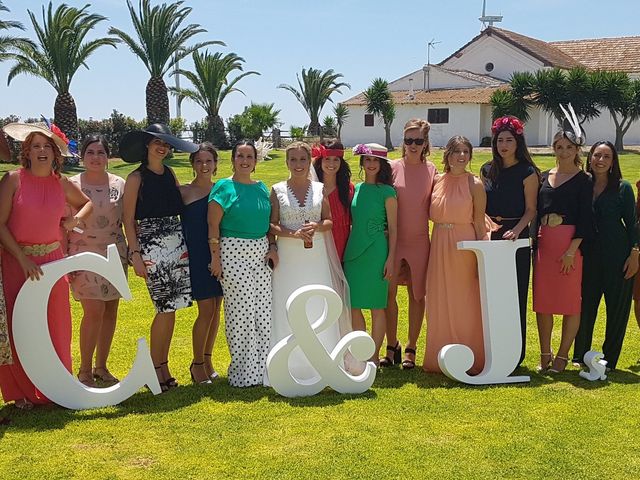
x=20 y=132
x=371 y=150
x=133 y=146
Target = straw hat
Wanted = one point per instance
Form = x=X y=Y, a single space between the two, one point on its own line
x=133 y=146
x=20 y=132
x=371 y=150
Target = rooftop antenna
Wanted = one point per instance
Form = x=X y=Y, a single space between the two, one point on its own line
x=430 y=45
x=490 y=19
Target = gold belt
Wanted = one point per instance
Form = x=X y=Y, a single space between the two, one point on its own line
x=551 y=220
x=499 y=218
x=444 y=225
x=40 y=249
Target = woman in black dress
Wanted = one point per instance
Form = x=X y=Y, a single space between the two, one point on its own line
x=511 y=181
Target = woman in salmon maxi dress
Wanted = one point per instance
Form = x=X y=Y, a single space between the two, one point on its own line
x=453 y=294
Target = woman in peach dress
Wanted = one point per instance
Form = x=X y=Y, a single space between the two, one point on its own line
x=453 y=293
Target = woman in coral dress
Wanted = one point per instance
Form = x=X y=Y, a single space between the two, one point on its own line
x=32 y=205
x=453 y=293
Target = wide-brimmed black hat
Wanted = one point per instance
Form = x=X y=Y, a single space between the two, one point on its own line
x=133 y=146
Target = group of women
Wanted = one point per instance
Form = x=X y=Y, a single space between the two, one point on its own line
x=239 y=241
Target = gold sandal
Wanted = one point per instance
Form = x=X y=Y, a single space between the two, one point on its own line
x=544 y=366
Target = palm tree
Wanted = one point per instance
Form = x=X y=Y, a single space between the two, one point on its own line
x=160 y=45
x=380 y=102
x=210 y=87
x=342 y=113
x=315 y=89
x=8 y=44
x=60 y=51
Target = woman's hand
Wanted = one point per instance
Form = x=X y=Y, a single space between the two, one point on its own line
x=512 y=234
x=303 y=234
x=29 y=268
x=216 y=266
x=140 y=266
x=630 y=267
x=388 y=268
x=273 y=256
x=567 y=263
x=310 y=228
x=69 y=223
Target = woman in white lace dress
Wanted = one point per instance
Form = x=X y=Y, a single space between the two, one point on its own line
x=301 y=219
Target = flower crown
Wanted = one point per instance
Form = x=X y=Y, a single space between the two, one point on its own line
x=513 y=124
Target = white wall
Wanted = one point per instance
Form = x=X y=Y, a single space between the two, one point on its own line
x=464 y=119
x=505 y=58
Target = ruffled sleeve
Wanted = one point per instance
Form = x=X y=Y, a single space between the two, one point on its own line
x=224 y=194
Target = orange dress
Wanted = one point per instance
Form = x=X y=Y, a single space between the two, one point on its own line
x=413 y=184
x=453 y=292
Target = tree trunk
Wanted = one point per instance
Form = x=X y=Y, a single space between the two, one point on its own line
x=157 y=101
x=314 y=127
x=619 y=139
x=216 y=129
x=387 y=141
x=65 y=115
x=338 y=133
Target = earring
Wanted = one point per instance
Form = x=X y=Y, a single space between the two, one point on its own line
x=611 y=169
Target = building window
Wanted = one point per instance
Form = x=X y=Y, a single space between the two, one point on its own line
x=368 y=119
x=438 y=115
x=489 y=67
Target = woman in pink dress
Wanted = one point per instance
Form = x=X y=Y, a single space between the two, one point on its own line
x=413 y=178
x=453 y=293
x=32 y=205
x=333 y=171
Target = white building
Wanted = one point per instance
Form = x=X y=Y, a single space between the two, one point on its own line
x=455 y=94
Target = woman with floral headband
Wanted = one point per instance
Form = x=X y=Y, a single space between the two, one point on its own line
x=511 y=181
x=334 y=173
x=610 y=257
x=32 y=204
x=565 y=219
x=369 y=256
x=413 y=178
x=453 y=293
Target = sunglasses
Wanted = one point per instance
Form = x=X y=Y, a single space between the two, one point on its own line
x=411 y=141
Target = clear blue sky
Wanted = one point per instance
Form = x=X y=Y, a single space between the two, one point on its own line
x=361 y=39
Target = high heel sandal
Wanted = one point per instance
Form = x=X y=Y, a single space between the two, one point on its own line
x=214 y=374
x=193 y=378
x=171 y=382
x=104 y=375
x=544 y=366
x=163 y=385
x=388 y=361
x=559 y=370
x=23 y=404
x=408 y=364
x=86 y=378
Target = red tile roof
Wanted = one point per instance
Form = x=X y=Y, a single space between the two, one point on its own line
x=479 y=95
x=621 y=53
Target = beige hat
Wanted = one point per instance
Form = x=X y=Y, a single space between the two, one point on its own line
x=371 y=150
x=20 y=132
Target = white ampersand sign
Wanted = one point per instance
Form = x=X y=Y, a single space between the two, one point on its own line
x=328 y=364
x=37 y=354
x=500 y=317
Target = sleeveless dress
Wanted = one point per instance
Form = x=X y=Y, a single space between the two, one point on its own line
x=162 y=242
x=196 y=234
x=413 y=184
x=102 y=228
x=299 y=266
x=341 y=218
x=453 y=291
x=37 y=208
x=368 y=248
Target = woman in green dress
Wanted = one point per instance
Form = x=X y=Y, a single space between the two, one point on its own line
x=610 y=257
x=369 y=255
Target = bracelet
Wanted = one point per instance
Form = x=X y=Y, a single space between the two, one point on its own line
x=569 y=254
x=214 y=241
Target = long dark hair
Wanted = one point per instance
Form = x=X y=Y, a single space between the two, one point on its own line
x=95 y=138
x=384 y=174
x=522 y=155
x=615 y=174
x=343 y=175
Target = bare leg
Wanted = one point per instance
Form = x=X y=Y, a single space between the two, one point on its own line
x=378 y=328
x=392 y=314
x=211 y=337
x=416 y=317
x=357 y=320
x=105 y=338
x=570 y=325
x=161 y=334
x=545 y=327
x=89 y=330
x=199 y=335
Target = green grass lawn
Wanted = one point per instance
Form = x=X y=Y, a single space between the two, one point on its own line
x=410 y=425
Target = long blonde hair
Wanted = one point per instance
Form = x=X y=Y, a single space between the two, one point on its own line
x=451 y=146
x=424 y=127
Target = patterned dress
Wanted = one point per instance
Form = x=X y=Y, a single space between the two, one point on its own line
x=103 y=227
